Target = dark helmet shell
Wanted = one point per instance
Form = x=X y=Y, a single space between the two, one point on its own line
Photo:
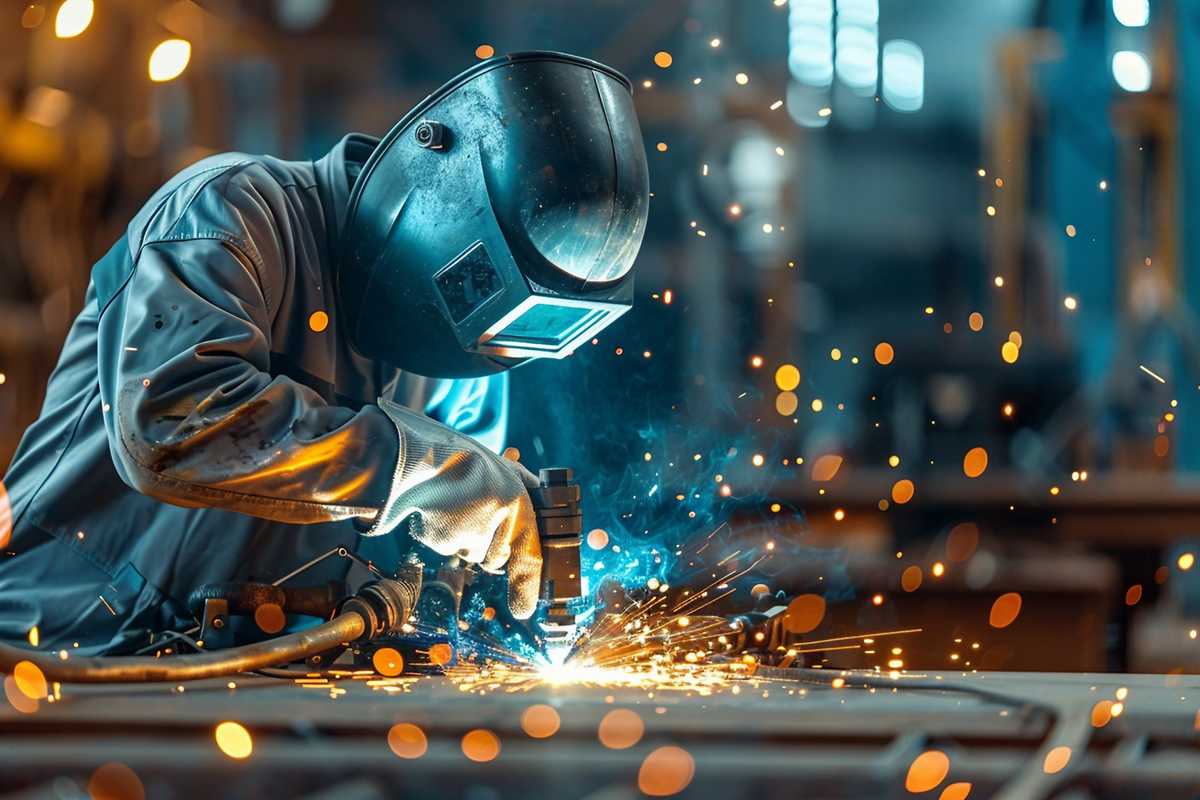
x=525 y=175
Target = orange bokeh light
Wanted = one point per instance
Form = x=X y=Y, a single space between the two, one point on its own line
x=540 y=721
x=318 y=321
x=975 y=462
x=826 y=467
x=927 y=771
x=956 y=791
x=29 y=680
x=270 y=618
x=115 y=781
x=962 y=541
x=666 y=771
x=804 y=613
x=1005 y=610
x=910 y=579
x=884 y=353
x=234 y=740
x=407 y=740
x=1057 y=759
x=480 y=745
x=388 y=662
x=441 y=654
x=620 y=729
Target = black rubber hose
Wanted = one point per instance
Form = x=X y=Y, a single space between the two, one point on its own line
x=346 y=627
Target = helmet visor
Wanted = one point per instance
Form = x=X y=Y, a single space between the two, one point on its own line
x=548 y=327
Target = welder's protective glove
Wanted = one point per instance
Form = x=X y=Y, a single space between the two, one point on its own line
x=462 y=499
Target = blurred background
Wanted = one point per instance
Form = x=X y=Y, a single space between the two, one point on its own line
x=918 y=286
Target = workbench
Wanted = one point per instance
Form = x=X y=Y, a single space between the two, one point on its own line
x=776 y=737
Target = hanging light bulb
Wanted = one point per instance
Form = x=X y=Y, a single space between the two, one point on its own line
x=169 y=59
x=73 y=18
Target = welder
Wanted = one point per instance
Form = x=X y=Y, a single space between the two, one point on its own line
x=278 y=358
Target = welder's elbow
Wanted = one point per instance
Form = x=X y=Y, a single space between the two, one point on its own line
x=146 y=465
x=144 y=480
x=144 y=474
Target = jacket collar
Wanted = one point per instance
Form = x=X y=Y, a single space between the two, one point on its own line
x=333 y=181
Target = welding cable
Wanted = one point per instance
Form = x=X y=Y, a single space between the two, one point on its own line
x=345 y=627
x=380 y=607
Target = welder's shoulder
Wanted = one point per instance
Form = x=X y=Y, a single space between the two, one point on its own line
x=240 y=199
x=250 y=205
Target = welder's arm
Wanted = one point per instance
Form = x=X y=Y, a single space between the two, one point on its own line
x=194 y=417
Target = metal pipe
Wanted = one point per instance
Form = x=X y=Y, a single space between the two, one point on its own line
x=346 y=627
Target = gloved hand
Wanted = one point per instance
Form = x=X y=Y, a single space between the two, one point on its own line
x=465 y=501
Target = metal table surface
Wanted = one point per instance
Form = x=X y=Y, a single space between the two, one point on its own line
x=773 y=737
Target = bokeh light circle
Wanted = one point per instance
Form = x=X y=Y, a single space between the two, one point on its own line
x=962 y=541
x=787 y=377
x=480 y=745
x=29 y=680
x=269 y=617
x=540 y=721
x=441 y=654
x=975 y=462
x=666 y=771
x=786 y=403
x=826 y=467
x=910 y=579
x=407 y=740
x=621 y=729
x=234 y=740
x=804 y=613
x=115 y=781
x=927 y=771
x=1056 y=760
x=388 y=662
x=1005 y=610
x=956 y=791
x=17 y=699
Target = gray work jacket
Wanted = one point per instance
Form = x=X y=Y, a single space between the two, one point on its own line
x=208 y=419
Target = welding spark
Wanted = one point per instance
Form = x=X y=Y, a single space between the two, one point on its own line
x=1151 y=373
x=653 y=677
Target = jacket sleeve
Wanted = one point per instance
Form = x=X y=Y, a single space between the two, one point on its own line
x=193 y=416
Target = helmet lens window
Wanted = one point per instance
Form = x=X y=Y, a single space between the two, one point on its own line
x=547 y=326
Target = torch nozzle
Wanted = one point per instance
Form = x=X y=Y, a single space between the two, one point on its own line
x=560 y=524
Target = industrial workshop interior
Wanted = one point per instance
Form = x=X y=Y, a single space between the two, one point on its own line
x=600 y=399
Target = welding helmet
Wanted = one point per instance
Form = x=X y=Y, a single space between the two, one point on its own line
x=498 y=221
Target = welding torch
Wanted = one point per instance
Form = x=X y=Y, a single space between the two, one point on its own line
x=556 y=503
